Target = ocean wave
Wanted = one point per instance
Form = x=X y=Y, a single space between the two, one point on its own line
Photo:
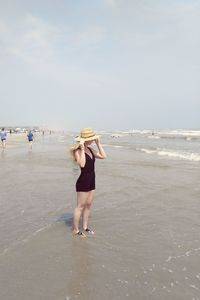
x=156 y=137
x=188 y=134
x=148 y=151
x=113 y=146
x=173 y=154
x=179 y=132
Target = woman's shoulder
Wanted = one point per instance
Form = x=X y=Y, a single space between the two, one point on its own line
x=77 y=152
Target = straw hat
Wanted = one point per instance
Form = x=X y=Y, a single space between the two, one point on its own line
x=87 y=134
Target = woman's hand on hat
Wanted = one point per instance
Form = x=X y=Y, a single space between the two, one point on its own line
x=82 y=144
x=97 y=140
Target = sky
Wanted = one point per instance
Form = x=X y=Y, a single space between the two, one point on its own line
x=105 y=64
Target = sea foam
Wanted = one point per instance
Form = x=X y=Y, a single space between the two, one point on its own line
x=173 y=154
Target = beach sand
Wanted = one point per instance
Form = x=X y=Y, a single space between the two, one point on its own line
x=15 y=140
x=145 y=215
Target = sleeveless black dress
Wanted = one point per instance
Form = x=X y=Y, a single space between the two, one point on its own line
x=86 y=180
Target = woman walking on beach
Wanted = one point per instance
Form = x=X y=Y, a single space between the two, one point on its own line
x=85 y=156
x=3 y=136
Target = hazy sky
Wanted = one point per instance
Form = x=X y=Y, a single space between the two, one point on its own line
x=108 y=64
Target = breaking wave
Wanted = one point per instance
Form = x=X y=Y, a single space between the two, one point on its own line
x=173 y=154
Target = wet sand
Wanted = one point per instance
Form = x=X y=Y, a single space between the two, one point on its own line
x=15 y=140
x=146 y=218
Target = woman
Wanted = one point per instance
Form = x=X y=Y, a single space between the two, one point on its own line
x=85 y=156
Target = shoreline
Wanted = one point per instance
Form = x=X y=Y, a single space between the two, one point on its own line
x=17 y=140
x=145 y=216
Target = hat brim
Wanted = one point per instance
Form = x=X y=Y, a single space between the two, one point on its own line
x=92 y=138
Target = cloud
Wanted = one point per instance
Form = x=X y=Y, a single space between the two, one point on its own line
x=43 y=47
x=111 y=3
x=91 y=36
x=3 y=27
x=34 y=41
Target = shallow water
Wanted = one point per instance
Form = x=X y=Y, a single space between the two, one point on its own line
x=145 y=214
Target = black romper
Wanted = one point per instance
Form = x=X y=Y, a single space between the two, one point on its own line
x=86 y=180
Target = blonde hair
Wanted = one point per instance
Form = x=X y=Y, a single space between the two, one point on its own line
x=72 y=150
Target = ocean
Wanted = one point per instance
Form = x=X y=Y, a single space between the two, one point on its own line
x=177 y=144
x=145 y=215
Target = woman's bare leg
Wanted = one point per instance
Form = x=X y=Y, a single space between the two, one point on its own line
x=81 y=202
x=86 y=210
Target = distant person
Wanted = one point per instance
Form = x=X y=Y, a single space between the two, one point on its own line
x=10 y=131
x=30 y=137
x=85 y=156
x=3 y=136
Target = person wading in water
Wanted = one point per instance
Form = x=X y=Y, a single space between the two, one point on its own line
x=85 y=157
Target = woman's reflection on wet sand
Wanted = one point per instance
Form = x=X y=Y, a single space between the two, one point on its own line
x=82 y=271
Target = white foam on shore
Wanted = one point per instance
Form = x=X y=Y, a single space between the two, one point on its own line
x=113 y=146
x=148 y=151
x=154 y=137
x=160 y=132
x=179 y=132
x=173 y=154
